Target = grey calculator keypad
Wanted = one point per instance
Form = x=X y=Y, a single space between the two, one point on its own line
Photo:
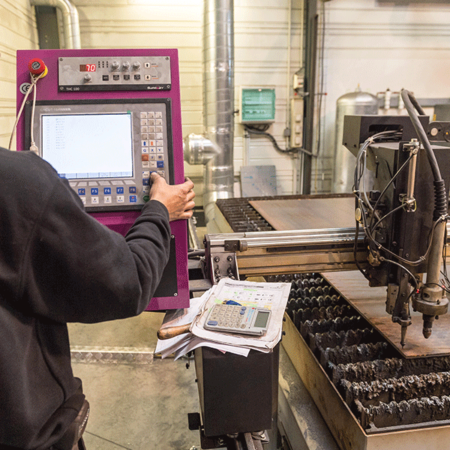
x=227 y=316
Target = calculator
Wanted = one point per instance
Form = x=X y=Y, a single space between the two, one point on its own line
x=238 y=319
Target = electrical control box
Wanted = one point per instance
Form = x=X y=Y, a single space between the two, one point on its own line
x=105 y=120
x=296 y=122
x=257 y=105
x=121 y=73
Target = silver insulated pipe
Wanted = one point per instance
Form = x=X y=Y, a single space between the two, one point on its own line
x=70 y=18
x=218 y=100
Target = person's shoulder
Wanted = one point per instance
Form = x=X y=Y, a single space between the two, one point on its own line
x=25 y=162
x=25 y=170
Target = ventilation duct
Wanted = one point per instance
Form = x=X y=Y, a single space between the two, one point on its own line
x=70 y=18
x=218 y=105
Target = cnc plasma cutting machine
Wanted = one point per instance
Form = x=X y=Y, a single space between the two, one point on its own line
x=360 y=263
x=403 y=215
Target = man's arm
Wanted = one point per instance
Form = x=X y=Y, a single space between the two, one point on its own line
x=77 y=270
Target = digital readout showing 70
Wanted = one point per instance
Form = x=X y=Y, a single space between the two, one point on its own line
x=88 y=68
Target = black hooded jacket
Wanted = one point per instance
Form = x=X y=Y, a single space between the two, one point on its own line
x=59 y=265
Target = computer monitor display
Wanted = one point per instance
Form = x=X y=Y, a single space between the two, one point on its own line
x=88 y=146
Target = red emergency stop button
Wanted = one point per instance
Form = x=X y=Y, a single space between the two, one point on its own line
x=36 y=66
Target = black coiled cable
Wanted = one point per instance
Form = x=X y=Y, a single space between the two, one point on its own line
x=440 y=200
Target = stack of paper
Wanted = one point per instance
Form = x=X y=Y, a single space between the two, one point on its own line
x=271 y=296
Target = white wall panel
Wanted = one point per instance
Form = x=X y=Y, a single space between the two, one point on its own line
x=380 y=46
x=260 y=57
x=154 y=24
x=17 y=31
x=377 y=45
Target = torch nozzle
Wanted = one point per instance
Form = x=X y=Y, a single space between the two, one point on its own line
x=427 y=325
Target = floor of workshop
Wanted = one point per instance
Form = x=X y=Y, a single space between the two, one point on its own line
x=135 y=406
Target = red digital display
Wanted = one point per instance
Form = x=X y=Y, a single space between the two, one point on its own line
x=88 y=68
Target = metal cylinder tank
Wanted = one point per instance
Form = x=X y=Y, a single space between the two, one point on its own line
x=359 y=103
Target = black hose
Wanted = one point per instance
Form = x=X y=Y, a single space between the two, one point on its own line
x=440 y=195
x=275 y=143
x=416 y=104
x=408 y=99
x=195 y=253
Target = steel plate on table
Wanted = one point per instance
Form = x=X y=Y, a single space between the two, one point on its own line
x=306 y=214
x=370 y=302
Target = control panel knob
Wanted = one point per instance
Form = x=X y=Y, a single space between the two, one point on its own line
x=136 y=65
x=87 y=78
x=115 y=65
x=125 y=65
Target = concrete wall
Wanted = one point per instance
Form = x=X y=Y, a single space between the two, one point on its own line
x=17 y=31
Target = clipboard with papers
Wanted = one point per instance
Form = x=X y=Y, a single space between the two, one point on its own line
x=271 y=297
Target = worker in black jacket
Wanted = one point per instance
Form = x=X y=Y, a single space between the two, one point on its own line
x=59 y=265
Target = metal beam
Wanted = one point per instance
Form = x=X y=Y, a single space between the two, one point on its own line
x=312 y=19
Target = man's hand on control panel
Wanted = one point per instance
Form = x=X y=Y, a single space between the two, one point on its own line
x=177 y=199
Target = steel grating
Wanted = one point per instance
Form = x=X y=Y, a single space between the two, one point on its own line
x=371 y=303
x=383 y=391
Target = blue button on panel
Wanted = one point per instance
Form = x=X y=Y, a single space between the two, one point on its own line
x=213 y=323
x=81 y=191
x=119 y=190
x=133 y=199
x=146 y=181
x=94 y=191
x=107 y=191
x=132 y=190
x=160 y=164
x=242 y=313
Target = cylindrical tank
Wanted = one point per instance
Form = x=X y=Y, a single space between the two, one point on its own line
x=354 y=103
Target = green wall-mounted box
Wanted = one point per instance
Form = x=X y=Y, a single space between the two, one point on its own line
x=257 y=105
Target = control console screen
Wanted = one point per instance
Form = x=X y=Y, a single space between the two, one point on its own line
x=88 y=146
x=106 y=150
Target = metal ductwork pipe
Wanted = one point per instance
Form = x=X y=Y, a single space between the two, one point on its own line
x=199 y=150
x=218 y=98
x=70 y=18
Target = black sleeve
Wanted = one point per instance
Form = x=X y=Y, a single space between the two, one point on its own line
x=77 y=270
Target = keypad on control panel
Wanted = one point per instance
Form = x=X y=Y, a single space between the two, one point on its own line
x=152 y=145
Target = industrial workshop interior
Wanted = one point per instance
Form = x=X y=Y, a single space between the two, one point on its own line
x=301 y=304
